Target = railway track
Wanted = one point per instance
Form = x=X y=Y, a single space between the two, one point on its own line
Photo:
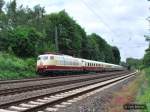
x=49 y=78
x=17 y=90
x=53 y=101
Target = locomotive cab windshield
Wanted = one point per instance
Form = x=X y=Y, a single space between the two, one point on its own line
x=42 y=58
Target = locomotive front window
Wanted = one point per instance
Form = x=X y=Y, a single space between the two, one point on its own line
x=45 y=57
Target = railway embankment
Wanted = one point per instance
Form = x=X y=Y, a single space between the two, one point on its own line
x=12 y=67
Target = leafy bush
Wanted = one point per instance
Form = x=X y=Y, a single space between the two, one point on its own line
x=12 y=67
x=24 y=41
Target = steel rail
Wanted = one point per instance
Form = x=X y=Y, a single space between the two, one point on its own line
x=49 y=78
x=49 y=85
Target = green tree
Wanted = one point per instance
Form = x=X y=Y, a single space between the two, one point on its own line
x=146 y=59
x=116 y=55
x=23 y=29
x=11 y=13
x=134 y=63
x=69 y=34
x=94 y=52
x=1 y=5
x=105 y=50
x=25 y=41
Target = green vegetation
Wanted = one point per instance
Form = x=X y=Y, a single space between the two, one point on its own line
x=144 y=91
x=26 y=33
x=143 y=96
x=134 y=63
x=146 y=59
x=12 y=67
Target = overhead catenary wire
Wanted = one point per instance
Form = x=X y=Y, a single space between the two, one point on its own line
x=104 y=23
x=100 y=19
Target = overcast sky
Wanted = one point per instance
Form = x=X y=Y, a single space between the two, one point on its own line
x=120 y=22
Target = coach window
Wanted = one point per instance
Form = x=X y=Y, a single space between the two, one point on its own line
x=51 y=57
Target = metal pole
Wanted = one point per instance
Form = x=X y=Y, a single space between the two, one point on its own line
x=56 y=39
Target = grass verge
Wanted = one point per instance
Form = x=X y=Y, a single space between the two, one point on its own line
x=143 y=96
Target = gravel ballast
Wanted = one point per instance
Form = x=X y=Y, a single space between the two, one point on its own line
x=29 y=94
x=97 y=102
x=48 y=81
